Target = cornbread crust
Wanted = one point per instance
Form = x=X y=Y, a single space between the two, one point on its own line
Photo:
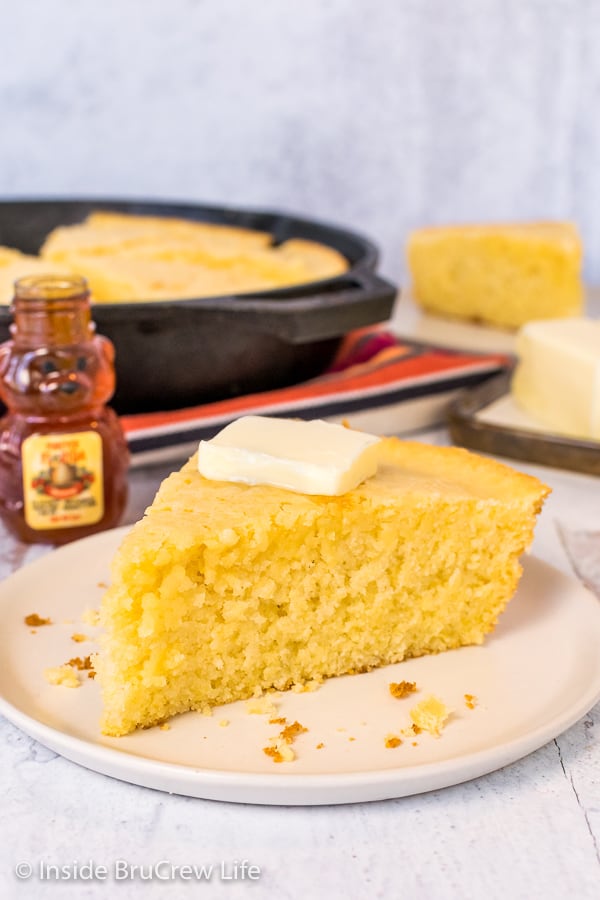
x=224 y=589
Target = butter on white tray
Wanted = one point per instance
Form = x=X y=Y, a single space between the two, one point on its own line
x=313 y=457
x=557 y=379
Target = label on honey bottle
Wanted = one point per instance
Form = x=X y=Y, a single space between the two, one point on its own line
x=63 y=481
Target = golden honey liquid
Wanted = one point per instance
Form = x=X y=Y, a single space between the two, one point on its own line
x=63 y=456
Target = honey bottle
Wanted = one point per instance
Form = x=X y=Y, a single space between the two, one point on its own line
x=63 y=456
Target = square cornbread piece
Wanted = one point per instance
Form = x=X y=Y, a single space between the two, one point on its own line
x=502 y=275
x=226 y=590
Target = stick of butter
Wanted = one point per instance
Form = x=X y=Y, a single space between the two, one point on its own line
x=557 y=379
x=307 y=457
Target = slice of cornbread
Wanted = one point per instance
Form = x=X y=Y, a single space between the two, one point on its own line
x=224 y=590
x=503 y=275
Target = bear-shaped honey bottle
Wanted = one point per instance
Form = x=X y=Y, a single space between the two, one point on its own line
x=63 y=456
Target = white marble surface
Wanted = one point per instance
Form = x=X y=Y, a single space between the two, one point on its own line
x=381 y=116
x=531 y=830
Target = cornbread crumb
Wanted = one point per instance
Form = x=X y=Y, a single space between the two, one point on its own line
x=351 y=738
x=307 y=687
x=103 y=585
x=392 y=740
x=261 y=706
x=291 y=732
x=401 y=689
x=83 y=665
x=35 y=621
x=92 y=674
x=62 y=675
x=279 y=748
x=430 y=715
x=470 y=701
x=79 y=638
x=91 y=616
x=223 y=723
x=320 y=745
x=280 y=752
x=278 y=720
x=164 y=727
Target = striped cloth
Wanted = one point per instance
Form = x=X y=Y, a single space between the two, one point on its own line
x=373 y=370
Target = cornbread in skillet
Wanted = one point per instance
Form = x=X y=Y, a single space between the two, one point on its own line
x=503 y=275
x=128 y=258
x=225 y=590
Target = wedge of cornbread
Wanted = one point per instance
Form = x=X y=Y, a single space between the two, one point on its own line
x=502 y=275
x=225 y=590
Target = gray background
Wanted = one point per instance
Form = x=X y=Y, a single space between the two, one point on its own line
x=381 y=116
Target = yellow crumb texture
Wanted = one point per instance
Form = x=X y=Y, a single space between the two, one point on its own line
x=223 y=591
x=431 y=715
x=79 y=638
x=65 y=676
x=261 y=706
x=91 y=617
x=500 y=274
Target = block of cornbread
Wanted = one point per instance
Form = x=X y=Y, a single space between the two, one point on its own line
x=225 y=590
x=502 y=275
x=557 y=378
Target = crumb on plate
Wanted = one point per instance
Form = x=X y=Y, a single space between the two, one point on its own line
x=91 y=617
x=35 y=621
x=392 y=741
x=62 y=675
x=261 y=706
x=83 y=664
x=401 y=689
x=430 y=715
x=79 y=638
x=470 y=701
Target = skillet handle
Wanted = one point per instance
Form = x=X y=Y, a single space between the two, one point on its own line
x=361 y=299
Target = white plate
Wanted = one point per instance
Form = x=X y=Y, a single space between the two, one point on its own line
x=535 y=676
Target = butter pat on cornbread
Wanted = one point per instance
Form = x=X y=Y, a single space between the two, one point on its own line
x=224 y=589
x=502 y=275
x=307 y=457
x=557 y=379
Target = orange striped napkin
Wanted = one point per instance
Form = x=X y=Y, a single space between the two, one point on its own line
x=374 y=369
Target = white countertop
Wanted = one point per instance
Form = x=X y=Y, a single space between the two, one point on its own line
x=529 y=830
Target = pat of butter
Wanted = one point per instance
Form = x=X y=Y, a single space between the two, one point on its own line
x=557 y=379
x=307 y=457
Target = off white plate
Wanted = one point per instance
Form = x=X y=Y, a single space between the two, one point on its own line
x=535 y=676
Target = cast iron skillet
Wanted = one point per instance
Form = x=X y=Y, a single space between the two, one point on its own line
x=179 y=353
